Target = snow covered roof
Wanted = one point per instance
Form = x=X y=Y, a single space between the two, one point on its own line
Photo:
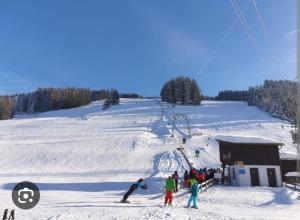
x=293 y=174
x=246 y=140
x=288 y=156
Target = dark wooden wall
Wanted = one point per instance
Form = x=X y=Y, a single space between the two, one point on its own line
x=250 y=154
x=288 y=166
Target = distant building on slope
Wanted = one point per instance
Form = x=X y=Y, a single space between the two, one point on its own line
x=252 y=161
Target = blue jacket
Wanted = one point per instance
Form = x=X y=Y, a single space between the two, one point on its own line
x=195 y=189
x=143 y=185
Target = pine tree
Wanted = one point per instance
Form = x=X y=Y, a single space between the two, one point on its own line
x=114 y=97
x=7 y=107
x=195 y=93
x=181 y=90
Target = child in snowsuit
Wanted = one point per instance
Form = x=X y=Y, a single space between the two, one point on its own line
x=170 y=187
x=194 y=195
x=133 y=187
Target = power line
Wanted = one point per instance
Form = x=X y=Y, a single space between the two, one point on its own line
x=219 y=44
x=246 y=26
x=216 y=49
x=278 y=64
x=263 y=25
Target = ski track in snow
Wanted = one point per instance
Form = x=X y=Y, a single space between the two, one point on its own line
x=84 y=159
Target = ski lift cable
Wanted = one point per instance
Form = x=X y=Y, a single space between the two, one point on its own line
x=267 y=36
x=263 y=25
x=219 y=45
x=243 y=18
x=216 y=50
x=246 y=27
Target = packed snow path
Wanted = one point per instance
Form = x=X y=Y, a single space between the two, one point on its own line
x=84 y=159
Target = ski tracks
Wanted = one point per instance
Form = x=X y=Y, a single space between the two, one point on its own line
x=167 y=162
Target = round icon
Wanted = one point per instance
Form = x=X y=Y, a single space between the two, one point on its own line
x=26 y=195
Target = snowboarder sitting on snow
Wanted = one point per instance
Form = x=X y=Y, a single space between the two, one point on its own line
x=170 y=187
x=133 y=187
x=194 y=195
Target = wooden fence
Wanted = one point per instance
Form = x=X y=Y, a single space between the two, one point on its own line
x=207 y=184
x=294 y=186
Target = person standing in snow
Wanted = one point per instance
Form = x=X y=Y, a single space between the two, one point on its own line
x=176 y=178
x=185 y=179
x=201 y=176
x=191 y=182
x=193 y=173
x=133 y=187
x=170 y=187
x=194 y=195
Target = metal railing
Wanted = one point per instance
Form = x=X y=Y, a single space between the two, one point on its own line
x=185 y=157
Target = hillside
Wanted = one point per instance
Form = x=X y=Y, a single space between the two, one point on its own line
x=84 y=159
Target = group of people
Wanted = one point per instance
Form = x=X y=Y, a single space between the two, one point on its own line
x=171 y=187
x=200 y=176
x=192 y=180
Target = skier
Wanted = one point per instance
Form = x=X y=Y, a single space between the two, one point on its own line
x=191 y=182
x=133 y=187
x=170 y=187
x=176 y=178
x=194 y=195
x=185 y=179
x=201 y=176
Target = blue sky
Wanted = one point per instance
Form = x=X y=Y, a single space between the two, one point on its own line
x=136 y=45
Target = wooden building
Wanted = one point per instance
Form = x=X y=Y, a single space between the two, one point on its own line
x=288 y=164
x=252 y=161
x=292 y=177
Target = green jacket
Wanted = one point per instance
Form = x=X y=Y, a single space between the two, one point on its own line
x=192 y=181
x=170 y=185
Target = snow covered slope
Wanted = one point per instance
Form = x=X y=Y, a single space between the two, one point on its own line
x=216 y=118
x=83 y=159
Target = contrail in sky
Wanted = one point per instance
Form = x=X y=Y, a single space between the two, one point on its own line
x=292 y=32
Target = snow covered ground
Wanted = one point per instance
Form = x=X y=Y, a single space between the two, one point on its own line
x=84 y=159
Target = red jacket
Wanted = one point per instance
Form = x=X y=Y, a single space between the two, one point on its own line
x=201 y=176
